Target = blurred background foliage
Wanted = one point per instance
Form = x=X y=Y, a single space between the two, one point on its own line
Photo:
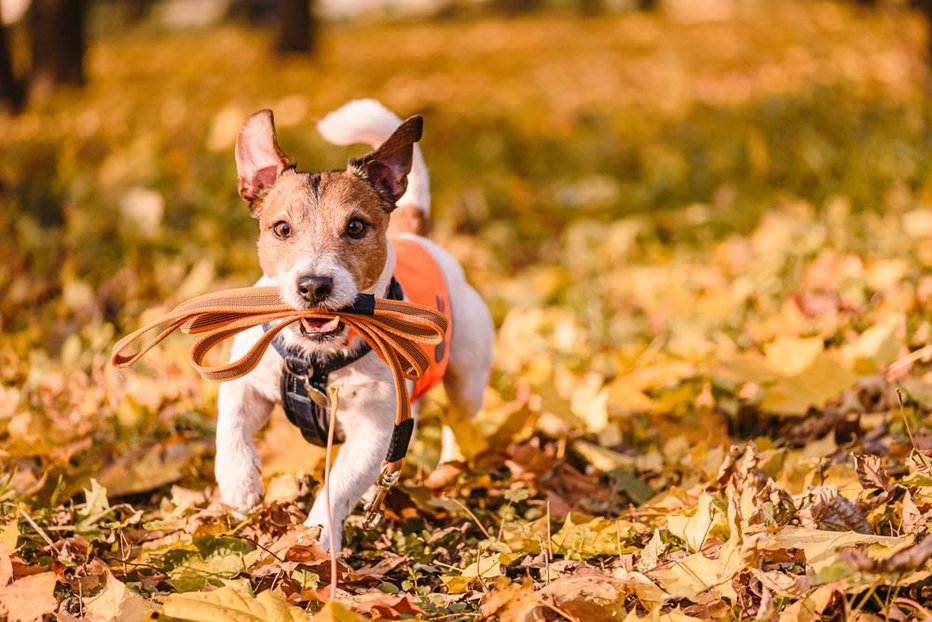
x=534 y=121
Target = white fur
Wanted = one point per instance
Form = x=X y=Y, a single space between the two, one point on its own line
x=366 y=391
x=368 y=121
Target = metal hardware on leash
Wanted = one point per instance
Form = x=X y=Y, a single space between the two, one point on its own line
x=374 y=512
x=317 y=396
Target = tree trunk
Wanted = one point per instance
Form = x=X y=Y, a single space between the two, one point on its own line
x=924 y=7
x=296 y=26
x=516 y=7
x=58 y=41
x=11 y=89
x=591 y=7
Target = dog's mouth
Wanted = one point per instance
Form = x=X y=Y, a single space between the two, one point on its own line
x=319 y=329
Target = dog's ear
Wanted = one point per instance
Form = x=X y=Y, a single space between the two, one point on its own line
x=259 y=160
x=387 y=167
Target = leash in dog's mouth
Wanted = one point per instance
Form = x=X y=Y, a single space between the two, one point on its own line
x=312 y=327
x=394 y=329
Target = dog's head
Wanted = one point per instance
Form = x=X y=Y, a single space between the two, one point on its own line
x=321 y=235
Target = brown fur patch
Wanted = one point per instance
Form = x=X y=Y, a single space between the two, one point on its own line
x=318 y=207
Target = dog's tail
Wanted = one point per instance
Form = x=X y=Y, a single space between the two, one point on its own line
x=368 y=121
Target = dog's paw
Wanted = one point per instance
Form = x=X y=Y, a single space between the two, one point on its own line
x=324 y=538
x=240 y=485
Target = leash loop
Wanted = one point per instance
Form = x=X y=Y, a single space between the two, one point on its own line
x=396 y=330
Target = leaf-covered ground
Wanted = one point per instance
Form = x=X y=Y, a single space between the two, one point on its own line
x=707 y=245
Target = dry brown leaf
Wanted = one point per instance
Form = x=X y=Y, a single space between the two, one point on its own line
x=30 y=598
x=588 y=597
x=870 y=472
x=380 y=605
x=515 y=602
x=824 y=508
x=6 y=566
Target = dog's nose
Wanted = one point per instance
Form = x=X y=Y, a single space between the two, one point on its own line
x=314 y=288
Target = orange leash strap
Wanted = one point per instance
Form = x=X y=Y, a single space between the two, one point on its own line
x=392 y=328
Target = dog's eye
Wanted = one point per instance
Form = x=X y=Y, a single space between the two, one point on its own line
x=281 y=229
x=356 y=228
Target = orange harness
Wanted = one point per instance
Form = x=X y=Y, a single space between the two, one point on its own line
x=424 y=283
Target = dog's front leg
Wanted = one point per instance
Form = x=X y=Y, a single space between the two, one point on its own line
x=368 y=426
x=241 y=411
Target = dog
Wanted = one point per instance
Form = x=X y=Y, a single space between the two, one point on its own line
x=325 y=237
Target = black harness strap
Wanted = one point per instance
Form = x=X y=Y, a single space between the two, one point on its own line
x=304 y=373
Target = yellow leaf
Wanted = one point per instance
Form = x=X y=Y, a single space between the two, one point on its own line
x=692 y=575
x=484 y=568
x=469 y=438
x=117 y=602
x=660 y=616
x=589 y=402
x=695 y=529
x=335 y=612
x=487 y=567
x=821 y=547
x=788 y=356
x=602 y=458
x=229 y=604
x=626 y=397
x=810 y=608
x=9 y=534
x=820 y=381
x=455 y=584
x=876 y=347
x=585 y=536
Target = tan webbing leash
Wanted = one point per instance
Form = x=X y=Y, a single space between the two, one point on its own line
x=392 y=328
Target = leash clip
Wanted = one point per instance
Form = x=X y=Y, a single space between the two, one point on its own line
x=317 y=396
x=387 y=480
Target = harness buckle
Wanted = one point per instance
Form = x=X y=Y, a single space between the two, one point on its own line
x=387 y=480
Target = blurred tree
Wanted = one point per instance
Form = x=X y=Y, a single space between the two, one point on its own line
x=138 y=10
x=58 y=42
x=591 y=7
x=648 y=5
x=297 y=28
x=516 y=6
x=925 y=9
x=11 y=89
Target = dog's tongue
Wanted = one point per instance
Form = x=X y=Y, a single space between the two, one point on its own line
x=317 y=325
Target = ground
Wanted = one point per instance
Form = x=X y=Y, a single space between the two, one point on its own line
x=706 y=245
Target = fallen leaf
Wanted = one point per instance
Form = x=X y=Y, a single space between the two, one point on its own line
x=335 y=612
x=228 y=604
x=821 y=547
x=694 y=529
x=29 y=599
x=388 y=606
x=589 y=597
x=117 y=602
x=515 y=602
x=586 y=536
x=6 y=566
x=9 y=534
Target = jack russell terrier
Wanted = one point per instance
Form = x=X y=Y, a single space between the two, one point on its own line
x=324 y=238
